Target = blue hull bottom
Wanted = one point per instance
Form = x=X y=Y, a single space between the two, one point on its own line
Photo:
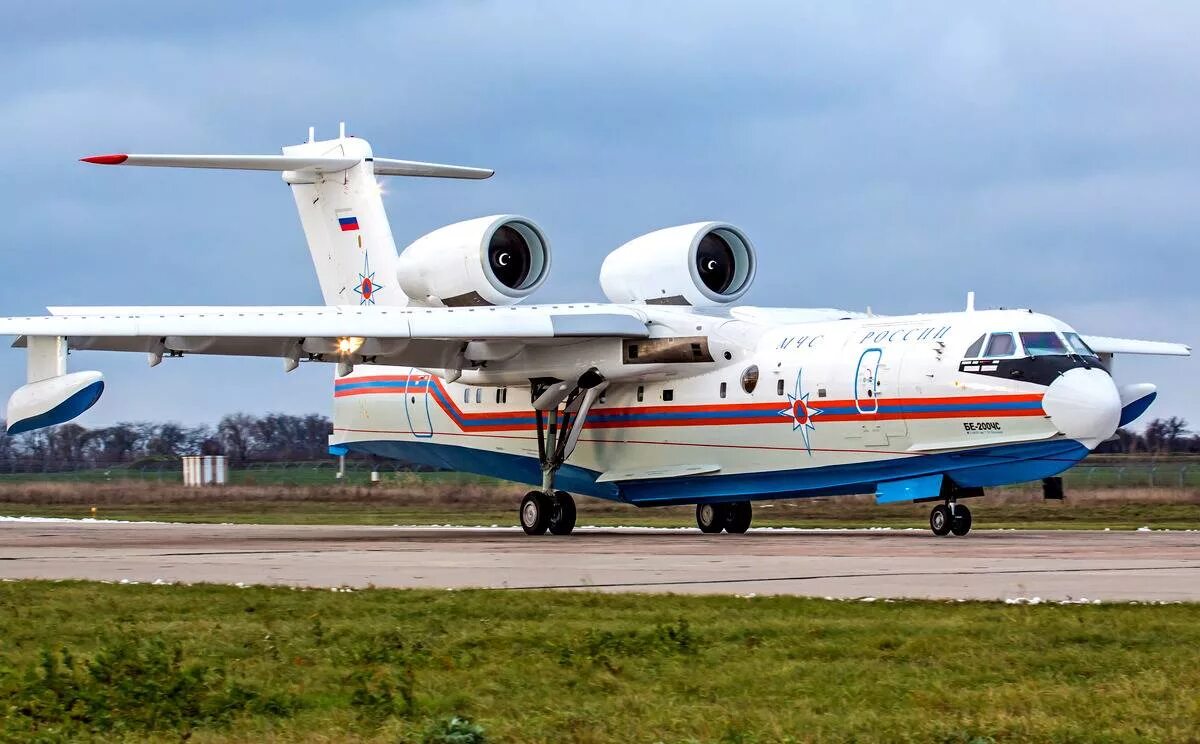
x=987 y=466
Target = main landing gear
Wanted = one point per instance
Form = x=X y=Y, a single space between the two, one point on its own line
x=950 y=517
x=558 y=431
x=541 y=512
x=733 y=518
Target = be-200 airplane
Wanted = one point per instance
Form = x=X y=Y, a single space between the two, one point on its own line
x=671 y=394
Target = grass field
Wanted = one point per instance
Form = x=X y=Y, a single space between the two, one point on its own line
x=226 y=664
x=463 y=500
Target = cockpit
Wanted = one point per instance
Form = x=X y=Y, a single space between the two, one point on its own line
x=1031 y=356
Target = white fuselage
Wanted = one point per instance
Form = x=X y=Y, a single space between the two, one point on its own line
x=768 y=403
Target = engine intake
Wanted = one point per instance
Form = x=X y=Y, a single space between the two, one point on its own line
x=704 y=263
x=497 y=260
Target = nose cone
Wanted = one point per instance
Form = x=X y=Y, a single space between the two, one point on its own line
x=1084 y=405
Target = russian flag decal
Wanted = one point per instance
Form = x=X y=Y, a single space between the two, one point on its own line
x=348 y=223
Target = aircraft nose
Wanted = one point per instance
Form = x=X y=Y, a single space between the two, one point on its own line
x=1084 y=405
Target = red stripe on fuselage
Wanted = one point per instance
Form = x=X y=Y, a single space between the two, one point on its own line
x=770 y=411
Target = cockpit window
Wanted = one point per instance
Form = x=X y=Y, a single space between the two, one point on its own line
x=1000 y=345
x=1043 y=343
x=974 y=349
x=1078 y=345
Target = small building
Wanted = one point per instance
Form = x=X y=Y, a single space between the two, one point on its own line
x=204 y=470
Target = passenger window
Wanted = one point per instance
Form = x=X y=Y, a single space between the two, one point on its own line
x=641 y=393
x=750 y=378
x=723 y=389
x=497 y=395
x=1043 y=343
x=1000 y=345
x=466 y=395
x=974 y=349
x=668 y=394
x=478 y=395
x=779 y=387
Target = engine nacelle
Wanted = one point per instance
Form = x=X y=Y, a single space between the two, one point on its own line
x=497 y=260
x=705 y=263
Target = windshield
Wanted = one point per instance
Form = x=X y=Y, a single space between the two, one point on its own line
x=1043 y=343
x=1078 y=345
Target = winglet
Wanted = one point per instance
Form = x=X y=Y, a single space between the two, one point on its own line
x=105 y=159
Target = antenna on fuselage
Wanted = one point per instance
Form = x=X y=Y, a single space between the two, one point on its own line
x=970 y=302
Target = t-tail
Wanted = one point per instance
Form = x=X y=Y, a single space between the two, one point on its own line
x=340 y=202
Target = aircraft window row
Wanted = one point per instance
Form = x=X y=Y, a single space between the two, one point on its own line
x=501 y=395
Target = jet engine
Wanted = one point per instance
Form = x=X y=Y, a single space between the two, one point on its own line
x=702 y=264
x=497 y=260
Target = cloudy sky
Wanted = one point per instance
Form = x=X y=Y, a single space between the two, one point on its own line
x=884 y=154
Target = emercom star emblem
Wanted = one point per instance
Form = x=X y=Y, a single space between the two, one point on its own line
x=801 y=413
x=367 y=287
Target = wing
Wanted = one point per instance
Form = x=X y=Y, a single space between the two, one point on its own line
x=420 y=337
x=1107 y=345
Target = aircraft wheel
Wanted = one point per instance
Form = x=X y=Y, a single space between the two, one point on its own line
x=939 y=520
x=961 y=523
x=562 y=514
x=535 y=513
x=737 y=519
x=711 y=518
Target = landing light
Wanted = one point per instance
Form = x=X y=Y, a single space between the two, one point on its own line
x=349 y=345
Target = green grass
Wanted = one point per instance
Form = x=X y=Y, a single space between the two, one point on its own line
x=112 y=662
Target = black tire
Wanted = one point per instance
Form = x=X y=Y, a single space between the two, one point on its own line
x=562 y=514
x=535 y=513
x=960 y=525
x=939 y=520
x=738 y=517
x=711 y=518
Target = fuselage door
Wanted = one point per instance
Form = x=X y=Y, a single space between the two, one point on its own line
x=866 y=381
x=416 y=403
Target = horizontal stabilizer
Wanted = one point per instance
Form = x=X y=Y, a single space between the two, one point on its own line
x=383 y=166
x=389 y=167
x=1107 y=345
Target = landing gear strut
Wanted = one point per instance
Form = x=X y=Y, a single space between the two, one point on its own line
x=733 y=518
x=557 y=434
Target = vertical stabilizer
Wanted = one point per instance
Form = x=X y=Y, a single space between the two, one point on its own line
x=345 y=224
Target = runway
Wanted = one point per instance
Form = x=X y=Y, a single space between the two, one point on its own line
x=1052 y=566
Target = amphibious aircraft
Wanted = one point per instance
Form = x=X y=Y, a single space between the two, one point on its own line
x=670 y=393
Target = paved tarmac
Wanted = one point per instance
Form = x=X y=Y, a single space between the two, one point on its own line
x=1052 y=566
